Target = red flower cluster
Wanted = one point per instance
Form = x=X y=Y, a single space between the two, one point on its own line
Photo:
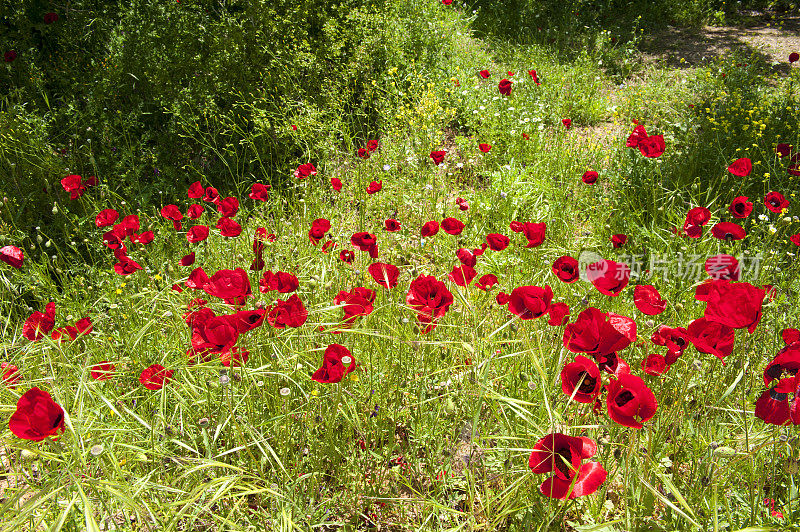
x=563 y=456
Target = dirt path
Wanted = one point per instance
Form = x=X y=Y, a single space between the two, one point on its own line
x=771 y=39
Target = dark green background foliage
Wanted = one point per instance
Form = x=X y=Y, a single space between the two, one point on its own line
x=150 y=96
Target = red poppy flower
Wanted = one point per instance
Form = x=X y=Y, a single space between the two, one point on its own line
x=9 y=375
x=363 y=153
x=197 y=279
x=711 y=337
x=366 y=242
x=196 y=190
x=566 y=269
x=73 y=185
x=534 y=232
x=609 y=277
x=502 y=298
x=795 y=239
x=462 y=275
x=9 y=56
x=596 y=332
x=793 y=57
x=305 y=170
x=171 y=212
x=484 y=74
x=211 y=195
x=37 y=416
x=786 y=362
x=228 y=207
x=648 y=300
x=12 y=256
x=695 y=219
x=562 y=455
x=529 y=302
x=534 y=76
x=741 y=167
x=155 y=376
x=187 y=260
x=374 y=186
x=462 y=204
x=776 y=202
x=336 y=364
x=655 y=365
x=447 y=3
x=391 y=225
x=581 y=380
x=384 y=274
x=430 y=298
x=485 y=147
x=724 y=267
x=355 y=303
x=232 y=286
x=740 y=207
x=283 y=282
x=676 y=339
x=213 y=334
x=773 y=405
x=196 y=234
x=319 y=227
x=346 y=256
x=728 y=231
x=143 y=238
x=504 y=87
x=102 y=371
x=51 y=17
x=486 y=282
x=652 y=146
x=438 y=156
x=289 y=313
x=372 y=145
x=559 y=314
x=228 y=227
x=790 y=336
x=567 y=123
x=106 y=217
x=736 y=305
x=126 y=265
x=638 y=135
x=783 y=150
x=630 y=402
x=429 y=228
x=336 y=183
x=589 y=177
x=452 y=226
x=619 y=240
x=130 y=224
x=497 y=242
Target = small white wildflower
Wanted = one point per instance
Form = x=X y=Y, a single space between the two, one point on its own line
x=96 y=450
x=386 y=167
x=346 y=360
x=482 y=108
x=224 y=379
x=763 y=217
x=284 y=391
x=459 y=165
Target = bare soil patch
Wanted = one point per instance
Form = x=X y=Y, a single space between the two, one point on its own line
x=772 y=39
